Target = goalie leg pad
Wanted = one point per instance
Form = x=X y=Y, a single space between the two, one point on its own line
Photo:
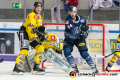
x=57 y=60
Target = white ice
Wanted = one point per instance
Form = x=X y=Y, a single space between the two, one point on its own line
x=51 y=74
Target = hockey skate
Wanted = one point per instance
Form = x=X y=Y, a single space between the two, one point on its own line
x=75 y=69
x=17 y=70
x=95 y=71
x=38 y=70
x=107 y=69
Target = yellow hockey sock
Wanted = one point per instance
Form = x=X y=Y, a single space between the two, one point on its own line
x=114 y=58
x=38 y=58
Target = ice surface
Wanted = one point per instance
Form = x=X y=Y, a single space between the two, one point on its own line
x=51 y=74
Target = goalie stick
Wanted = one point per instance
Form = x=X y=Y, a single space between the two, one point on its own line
x=99 y=56
x=1 y=60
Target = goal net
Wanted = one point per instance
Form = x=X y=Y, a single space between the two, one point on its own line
x=98 y=43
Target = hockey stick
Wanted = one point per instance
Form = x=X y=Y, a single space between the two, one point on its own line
x=99 y=56
x=43 y=10
x=87 y=19
x=27 y=61
x=1 y=60
x=89 y=15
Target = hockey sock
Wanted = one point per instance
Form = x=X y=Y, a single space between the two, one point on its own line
x=38 y=58
x=88 y=59
x=71 y=61
x=90 y=62
x=113 y=60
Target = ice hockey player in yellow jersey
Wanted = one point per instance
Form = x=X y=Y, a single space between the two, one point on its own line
x=116 y=55
x=27 y=37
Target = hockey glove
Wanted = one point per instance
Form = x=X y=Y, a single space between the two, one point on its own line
x=84 y=28
x=39 y=30
x=41 y=37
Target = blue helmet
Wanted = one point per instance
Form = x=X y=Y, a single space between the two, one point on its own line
x=72 y=8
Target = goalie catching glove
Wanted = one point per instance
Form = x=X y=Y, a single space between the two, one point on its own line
x=40 y=32
x=40 y=29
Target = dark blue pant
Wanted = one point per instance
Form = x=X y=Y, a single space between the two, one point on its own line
x=82 y=48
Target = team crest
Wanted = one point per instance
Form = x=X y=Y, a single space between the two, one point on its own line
x=82 y=20
x=69 y=26
x=67 y=22
x=35 y=17
x=40 y=22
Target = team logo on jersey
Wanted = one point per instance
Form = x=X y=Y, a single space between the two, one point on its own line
x=67 y=22
x=40 y=22
x=81 y=44
x=82 y=20
x=52 y=37
x=31 y=39
x=69 y=26
x=35 y=17
x=30 y=24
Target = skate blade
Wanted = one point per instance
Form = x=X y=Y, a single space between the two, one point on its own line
x=38 y=73
x=16 y=73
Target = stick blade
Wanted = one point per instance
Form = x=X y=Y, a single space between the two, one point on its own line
x=99 y=56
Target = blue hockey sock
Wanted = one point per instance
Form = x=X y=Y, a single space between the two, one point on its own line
x=90 y=62
x=71 y=61
x=88 y=59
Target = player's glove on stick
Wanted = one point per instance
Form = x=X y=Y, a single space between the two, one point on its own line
x=84 y=31
x=39 y=30
x=84 y=28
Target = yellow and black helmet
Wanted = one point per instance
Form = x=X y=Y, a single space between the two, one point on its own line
x=37 y=4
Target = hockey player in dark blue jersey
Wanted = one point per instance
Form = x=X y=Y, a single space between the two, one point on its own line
x=75 y=32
